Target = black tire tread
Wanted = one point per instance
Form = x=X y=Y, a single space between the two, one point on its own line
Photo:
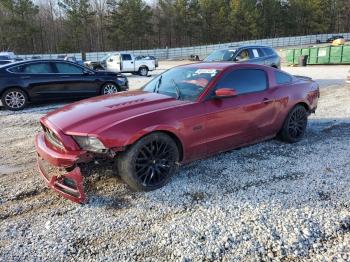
x=125 y=160
x=284 y=133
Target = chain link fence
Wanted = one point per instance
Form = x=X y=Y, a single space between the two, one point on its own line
x=204 y=50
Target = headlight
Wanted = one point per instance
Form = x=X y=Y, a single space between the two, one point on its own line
x=90 y=143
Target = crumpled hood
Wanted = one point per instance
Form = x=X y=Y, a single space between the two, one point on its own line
x=94 y=115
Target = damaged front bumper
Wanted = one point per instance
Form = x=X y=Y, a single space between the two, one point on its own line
x=60 y=169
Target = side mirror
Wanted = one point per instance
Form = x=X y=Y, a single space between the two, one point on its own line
x=110 y=60
x=225 y=92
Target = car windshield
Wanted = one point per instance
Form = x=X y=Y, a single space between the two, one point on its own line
x=104 y=58
x=221 y=55
x=185 y=83
x=2 y=57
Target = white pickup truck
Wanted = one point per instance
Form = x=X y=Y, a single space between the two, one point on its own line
x=125 y=63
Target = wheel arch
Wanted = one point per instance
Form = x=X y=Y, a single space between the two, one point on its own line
x=14 y=87
x=305 y=105
x=143 y=65
x=170 y=133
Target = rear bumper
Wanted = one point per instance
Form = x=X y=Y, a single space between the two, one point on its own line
x=52 y=166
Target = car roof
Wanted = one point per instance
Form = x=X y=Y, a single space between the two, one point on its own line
x=244 y=46
x=219 y=65
x=35 y=61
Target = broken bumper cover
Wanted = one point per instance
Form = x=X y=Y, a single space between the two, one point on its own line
x=52 y=166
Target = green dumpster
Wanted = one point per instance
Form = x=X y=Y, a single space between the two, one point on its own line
x=320 y=55
x=313 y=56
x=304 y=52
x=290 y=57
x=323 y=55
x=346 y=54
x=336 y=54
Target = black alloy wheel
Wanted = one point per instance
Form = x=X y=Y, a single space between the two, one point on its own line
x=295 y=125
x=150 y=163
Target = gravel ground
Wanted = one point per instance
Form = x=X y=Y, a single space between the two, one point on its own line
x=270 y=201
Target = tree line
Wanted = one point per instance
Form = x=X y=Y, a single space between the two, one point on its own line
x=60 y=26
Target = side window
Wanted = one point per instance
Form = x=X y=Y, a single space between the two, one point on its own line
x=255 y=53
x=268 y=51
x=261 y=53
x=244 y=81
x=66 y=68
x=126 y=57
x=34 y=68
x=243 y=55
x=16 y=69
x=282 y=78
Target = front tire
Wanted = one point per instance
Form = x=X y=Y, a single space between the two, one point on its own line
x=14 y=99
x=109 y=88
x=150 y=163
x=294 y=125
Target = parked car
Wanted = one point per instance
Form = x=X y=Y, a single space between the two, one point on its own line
x=125 y=63
x=8 y=57
x=187 y=113
x=334 y=37
x=256 y=54
x=42 y=80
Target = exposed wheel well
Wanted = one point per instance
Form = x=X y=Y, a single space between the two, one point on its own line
x=304 y=105
x=143 y=66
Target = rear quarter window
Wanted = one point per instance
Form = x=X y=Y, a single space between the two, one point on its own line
x=16 y=69
x=282 y=78
x=269 y=51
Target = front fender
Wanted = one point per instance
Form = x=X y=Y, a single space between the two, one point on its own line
x=156 y=128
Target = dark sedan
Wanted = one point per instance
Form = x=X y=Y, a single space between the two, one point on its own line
x=44 y=80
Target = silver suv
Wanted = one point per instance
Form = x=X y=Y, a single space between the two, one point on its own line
x=255 y=54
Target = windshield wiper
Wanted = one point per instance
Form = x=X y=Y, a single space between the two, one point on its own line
x=156 y=88
x=178 y=92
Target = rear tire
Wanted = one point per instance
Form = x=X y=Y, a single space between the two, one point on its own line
x=14 y=99
x=294 y=125
x=149 y=163
x=143 y=71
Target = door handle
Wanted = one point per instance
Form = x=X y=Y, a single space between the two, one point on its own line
x=267 y=101
x=64 y=76
x=25 y=77
x=132 y=62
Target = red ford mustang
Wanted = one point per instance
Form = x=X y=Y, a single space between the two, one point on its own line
x=187 y=113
